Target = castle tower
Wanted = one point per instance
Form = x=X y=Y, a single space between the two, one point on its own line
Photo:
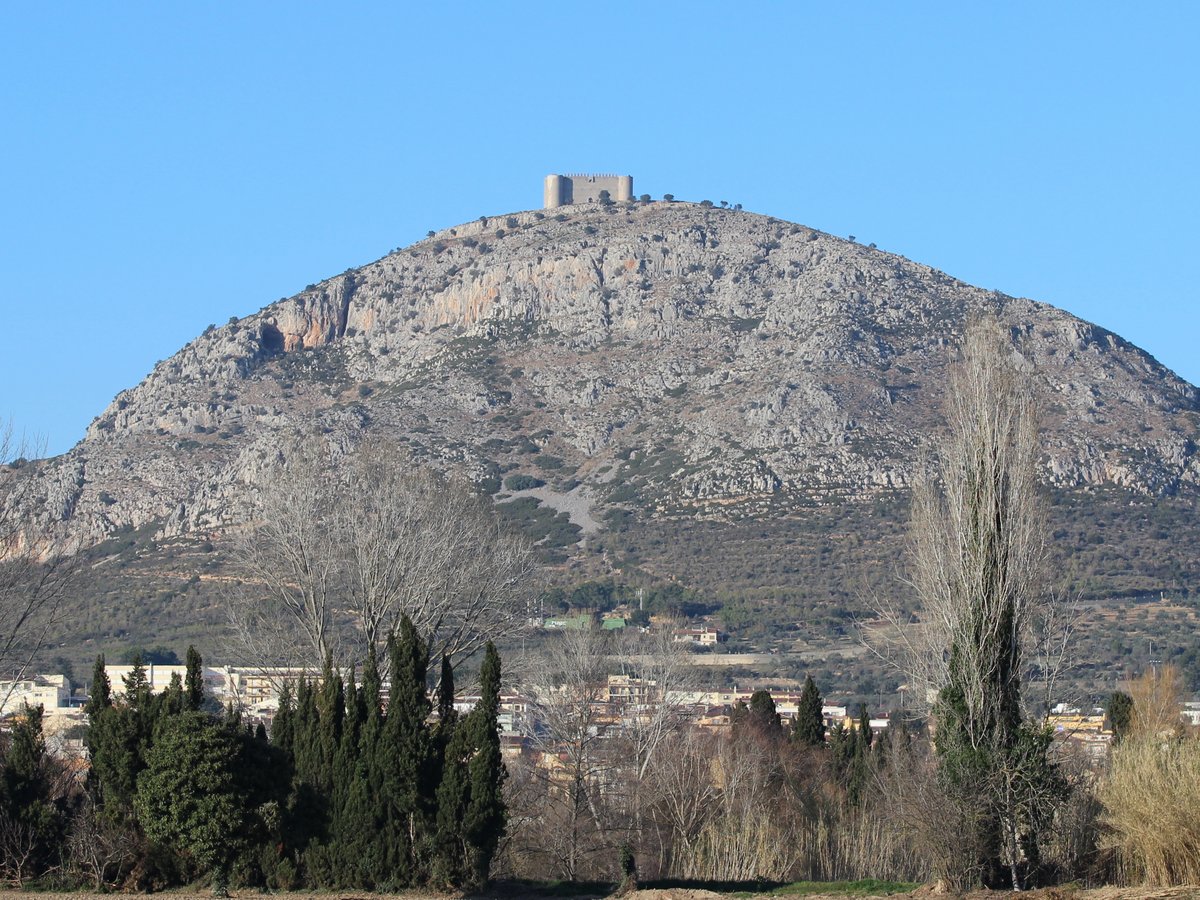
x=553 y=193
x=563 y=190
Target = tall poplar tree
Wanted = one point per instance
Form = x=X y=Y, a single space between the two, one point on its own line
x=980 y=554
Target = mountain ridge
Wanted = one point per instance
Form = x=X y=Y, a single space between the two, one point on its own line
x=669 y=359
x=665 y=394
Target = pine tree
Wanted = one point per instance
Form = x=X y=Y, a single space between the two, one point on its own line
x=809 y=730
x=171 y=701
x=193 y=689
x=762 y=715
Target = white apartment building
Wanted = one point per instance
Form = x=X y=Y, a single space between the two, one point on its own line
x=50 y=692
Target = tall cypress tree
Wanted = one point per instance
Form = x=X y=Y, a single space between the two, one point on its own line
x=355 y=718
x=193 y=685
x=283 y=726
x=470 y=813
x=346 y=811
x=332 y=714
x=405 y=758
x=171 y=701
x=100 y=696
x=308 y=810
x=445 y=706
x=485 y=819
x=137 y=688
x=114 y=741
x=864 y=727
x=371 y=694
x=762 y=715
x=857 y=773
x=305 y=733
x=443 y=733
x=809 y=730
x=364 y=850
x=454 y=747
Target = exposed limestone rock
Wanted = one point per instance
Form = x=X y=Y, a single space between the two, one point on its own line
x=668 y=355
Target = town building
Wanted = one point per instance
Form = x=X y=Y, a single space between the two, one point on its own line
x=51 y=692
x=252 y=689
x=705 y=636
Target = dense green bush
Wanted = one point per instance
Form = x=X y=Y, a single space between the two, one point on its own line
x=522 y=482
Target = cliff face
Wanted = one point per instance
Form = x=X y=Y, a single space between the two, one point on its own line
x=667 y=358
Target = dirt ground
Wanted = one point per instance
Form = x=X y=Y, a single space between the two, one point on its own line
x=924 y=893
x=928 y=893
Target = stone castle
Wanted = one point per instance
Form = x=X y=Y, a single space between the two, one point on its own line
x=564 y=190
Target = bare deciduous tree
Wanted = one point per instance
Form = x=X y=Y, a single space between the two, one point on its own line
x=343 y=548
x=100 y=850
x=664 y=671
x=35 y=565
x=979 y=566
x=428 y=548
x=681 y=785
x=576 y=774
x=979 y=550
x=290 y=565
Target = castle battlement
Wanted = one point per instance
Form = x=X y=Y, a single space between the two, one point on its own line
x=565 y=190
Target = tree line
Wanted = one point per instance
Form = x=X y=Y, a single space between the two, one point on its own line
x=360 y=784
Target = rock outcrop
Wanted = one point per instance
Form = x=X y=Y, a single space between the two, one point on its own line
x=669 y=358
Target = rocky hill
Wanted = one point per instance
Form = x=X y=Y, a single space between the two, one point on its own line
x=642 y=370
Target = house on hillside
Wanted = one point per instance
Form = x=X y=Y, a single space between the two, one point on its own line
x=705 y=636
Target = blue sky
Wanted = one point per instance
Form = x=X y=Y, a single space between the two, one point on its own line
x=167 y=166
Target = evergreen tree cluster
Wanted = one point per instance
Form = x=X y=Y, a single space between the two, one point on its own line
x=191 y=794
x=32 y=813
x=351 y=790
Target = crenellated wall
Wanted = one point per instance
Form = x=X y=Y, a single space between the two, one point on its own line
x=564 y=190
